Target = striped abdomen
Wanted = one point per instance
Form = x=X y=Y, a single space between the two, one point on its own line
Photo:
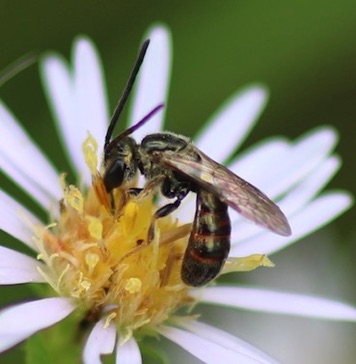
x=209 y=241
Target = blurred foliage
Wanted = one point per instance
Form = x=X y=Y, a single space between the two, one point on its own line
x=304 y=51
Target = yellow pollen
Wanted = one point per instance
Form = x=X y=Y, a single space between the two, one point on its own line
x=75 y=198
x=245 y=264
x=133 y=285
x=91 y=260
x=86 y=285
x=90 y=147
x=95 y=227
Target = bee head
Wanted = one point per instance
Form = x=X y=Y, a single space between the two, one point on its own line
x=121 y=153
x=120 y=163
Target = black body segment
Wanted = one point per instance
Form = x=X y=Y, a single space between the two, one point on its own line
x=209 y=241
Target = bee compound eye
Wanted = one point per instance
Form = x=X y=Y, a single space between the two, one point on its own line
x=114 y=175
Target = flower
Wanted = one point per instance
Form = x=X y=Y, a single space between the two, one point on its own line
x=93 y=253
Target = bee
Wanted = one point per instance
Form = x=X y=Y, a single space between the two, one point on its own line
x=177 y=167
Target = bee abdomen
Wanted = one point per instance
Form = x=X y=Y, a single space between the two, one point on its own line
x=209 y=241
x=204 y=258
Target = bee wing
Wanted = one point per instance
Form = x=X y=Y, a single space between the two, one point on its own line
x=246 y=199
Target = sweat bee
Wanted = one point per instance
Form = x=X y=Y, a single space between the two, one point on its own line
x=178 y=167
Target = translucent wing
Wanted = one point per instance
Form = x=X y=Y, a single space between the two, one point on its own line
x=246 y=199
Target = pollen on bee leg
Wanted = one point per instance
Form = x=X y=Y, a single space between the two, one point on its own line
x=246 y=264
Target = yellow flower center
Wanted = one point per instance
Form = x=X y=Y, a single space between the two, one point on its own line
x=98 y=253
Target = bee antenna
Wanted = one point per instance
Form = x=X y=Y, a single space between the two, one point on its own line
x=126 y=93
x=133 y=128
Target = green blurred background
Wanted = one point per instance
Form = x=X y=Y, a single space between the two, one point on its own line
x=304 y=51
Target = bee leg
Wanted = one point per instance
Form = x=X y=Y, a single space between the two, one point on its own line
x=135 y=191
x=149 y=187
x=112 y=202
x=131 y=192
x=162 y=212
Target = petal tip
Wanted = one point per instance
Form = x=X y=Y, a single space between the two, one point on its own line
x=158 y=30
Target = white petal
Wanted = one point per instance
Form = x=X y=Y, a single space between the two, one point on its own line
x=129 y=353
x=91 y=92
x=260 y=158
x=315 y=215
x=22 y=159
x=276 y=176
x=277 y=302
x=100 y=341
x=17 y=220
x=227 y=340
x=310 y=186
x=21 y=321
x=207 y=351
x=59 y=86
x=77 y=100
x=16 y=268
x=306 y=155
x=294 y=201
x=153 y=81
x=230 y=126
x=33 y=190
